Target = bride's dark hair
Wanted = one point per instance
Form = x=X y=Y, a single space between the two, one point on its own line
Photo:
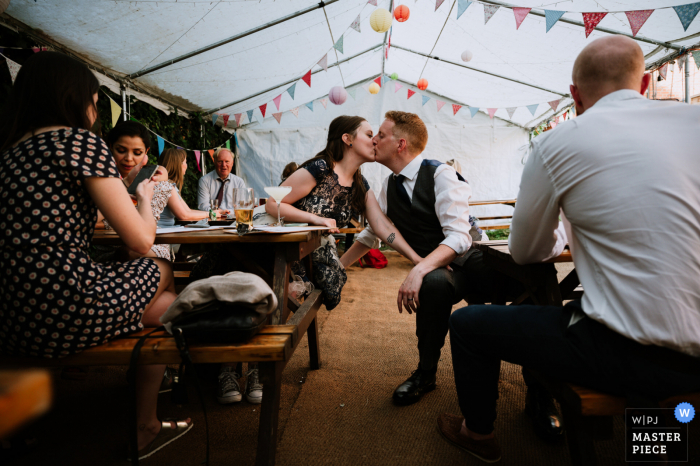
x=333 y=153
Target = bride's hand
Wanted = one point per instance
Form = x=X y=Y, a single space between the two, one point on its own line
x=326 y=222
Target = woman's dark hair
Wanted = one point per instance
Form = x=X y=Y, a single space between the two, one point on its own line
x=290 y=168
x=334 y=153
x=51 y=89
x=128 y=128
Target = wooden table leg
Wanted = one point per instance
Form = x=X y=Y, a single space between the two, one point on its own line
x=280 y=284
x=314 y=347
x=271 y=378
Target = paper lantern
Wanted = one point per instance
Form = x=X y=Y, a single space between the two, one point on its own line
x=422 y=84
x=401 y=13
x=380 y=20
x=394 y=76
x=374 y=88
x=338 y=95
x=467 y=55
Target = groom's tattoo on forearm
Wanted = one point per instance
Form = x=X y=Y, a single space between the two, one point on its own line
x=391 y=238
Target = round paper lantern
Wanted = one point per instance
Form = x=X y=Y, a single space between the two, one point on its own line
x=467 y=55
x=374 y=88
x=338 y=95
x=380 y=20
x=401 y=13
x=394 y=76
x=422 y=84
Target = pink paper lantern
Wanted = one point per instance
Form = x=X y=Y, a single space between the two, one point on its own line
x=338 y=95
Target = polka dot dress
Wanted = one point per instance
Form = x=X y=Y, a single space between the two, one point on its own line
x=55 y=300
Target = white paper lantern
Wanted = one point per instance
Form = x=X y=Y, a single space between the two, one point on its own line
x=467 y=55
x=338 y=95
x=380 y=20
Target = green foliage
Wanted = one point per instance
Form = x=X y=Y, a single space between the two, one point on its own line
x=498 y=234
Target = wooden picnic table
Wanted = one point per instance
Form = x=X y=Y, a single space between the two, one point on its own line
x=510 y=202
x=24 y=395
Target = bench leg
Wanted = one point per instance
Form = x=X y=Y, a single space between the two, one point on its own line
x=271 y=378
x=579 y=438
x=314 y=347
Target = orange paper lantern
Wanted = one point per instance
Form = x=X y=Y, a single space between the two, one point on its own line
x=401 y=13
x=422 y=84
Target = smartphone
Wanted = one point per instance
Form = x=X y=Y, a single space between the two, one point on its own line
x=144 y=174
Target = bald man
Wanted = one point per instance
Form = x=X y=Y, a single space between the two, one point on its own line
x=621 y=184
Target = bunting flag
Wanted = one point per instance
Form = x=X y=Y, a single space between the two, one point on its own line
x=551 y=17
x=250 y=115
x=161 y=145
x=492 y=112
x=295 y=111
x=261 y=119
x=278 y=117
x=511 y=111
x=425 y=99
x=637 y=19
x=696 y=57
x=238 y=117
x=228 y=144
x=352 y=92
x=291 y=90
x=552 y=124
x=687 y=13
x=263 y=107
x=307 y=78
x=473 y=111
x=556 y=120
x=533 y=108
x=410 y=94
x=663 y=70
x=197 y=156
x=680 y=61
x=323 y=63
x=277 y=101
x=520 y=14
x=397 y=86
x=339 y=45
x=438 y=3
x=385 y=78
x=462 y=6
x=440 y=104
x=356 y=24
x=213 y=118
x=455 y=109
x=554 y=104
x=225 y=115
x=211 y=153
x=591 y=20
x=378 y=81
x=372 y=2
x=325 y=103
x=116 y=111
x=489 y=11
x=310 y=105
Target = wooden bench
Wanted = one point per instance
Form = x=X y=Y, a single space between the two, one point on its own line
x=272 y=348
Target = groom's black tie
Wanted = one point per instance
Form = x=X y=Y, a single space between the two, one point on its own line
x=401 y=190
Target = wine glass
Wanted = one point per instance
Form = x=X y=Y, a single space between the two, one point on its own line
x=278 y=193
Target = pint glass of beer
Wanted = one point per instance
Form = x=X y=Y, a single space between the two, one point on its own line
x=243 y=203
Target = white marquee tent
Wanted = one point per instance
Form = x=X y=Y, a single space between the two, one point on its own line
x=234 y=56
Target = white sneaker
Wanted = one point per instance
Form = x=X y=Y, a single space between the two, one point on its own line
x=229 y=390
x=253 y=389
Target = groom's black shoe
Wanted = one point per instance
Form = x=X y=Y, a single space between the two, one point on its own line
x=546 y=421
x=412 y=390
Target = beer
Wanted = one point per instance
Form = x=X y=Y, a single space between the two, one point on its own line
x=244 y=216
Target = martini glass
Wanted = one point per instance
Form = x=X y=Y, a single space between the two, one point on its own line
x=278 y=193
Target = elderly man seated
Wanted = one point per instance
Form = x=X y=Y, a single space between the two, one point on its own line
x=611 y=171
x=219 y=184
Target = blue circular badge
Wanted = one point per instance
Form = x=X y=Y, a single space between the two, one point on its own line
x=684 y=412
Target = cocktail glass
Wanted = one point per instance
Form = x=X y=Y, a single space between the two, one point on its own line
x=278 y=193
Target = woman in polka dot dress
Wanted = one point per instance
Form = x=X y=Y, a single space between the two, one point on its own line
x=54 y=175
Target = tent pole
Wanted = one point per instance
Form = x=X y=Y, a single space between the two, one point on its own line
x=386 y=34
x=579 y=23
x=138 y=74
x=209 y=112
x=480 y=71
x=124 y=102
x=687 y=78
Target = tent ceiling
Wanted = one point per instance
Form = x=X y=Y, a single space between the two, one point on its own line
x=129 y=36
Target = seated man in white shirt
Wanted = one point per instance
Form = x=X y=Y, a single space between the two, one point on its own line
x=610 y=170
x=220 y=183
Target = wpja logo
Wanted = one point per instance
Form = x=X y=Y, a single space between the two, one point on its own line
x=658 y=434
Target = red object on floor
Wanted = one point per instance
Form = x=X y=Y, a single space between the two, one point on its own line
x=374 y=258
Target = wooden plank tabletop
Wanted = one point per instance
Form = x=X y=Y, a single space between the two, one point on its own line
x=500 y=249
x=506 y=201
x=109 y=237
x=24 y=395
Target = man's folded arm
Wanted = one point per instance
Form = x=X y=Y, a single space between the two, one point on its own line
x=452 y=208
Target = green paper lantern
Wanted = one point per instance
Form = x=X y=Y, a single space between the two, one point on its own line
x=394 y=76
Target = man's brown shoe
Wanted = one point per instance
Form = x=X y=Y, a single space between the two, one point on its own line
x=449 y=426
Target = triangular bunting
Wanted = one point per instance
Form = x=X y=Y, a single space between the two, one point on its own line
x=250 y=115
x=278 y=117
x=13 y=67
x=489 y=11
x=277 y=101
x=533 y=108
x=554 y=104
x=238 y=117
x=352 y=92
x=197 y=157
x=325 y=103
x=556 y=120
x=473 y=111
x=438 y=3
x=211 y=152
x=492 y=112
x=310 y=105
x=687 y=13
x=462 y=6
x=440 y=104
x=696 y=57
x=663 y=70
x=410 y=94
x=425 y=99
x=213 y=118
x=378 y=80
x=356 y=24
x=261 y=119
x=551 y=17
x=116 y=111
x=263 y=107
x=511 y=111
x=307 y=78
x=295 y=111
x=226 y=116
x=591 y=20
x=455 y=109
x=161 y=145
x=372 y=2
x=637 y=19
x=291 y=90
x=397 y=86
x=323 y=62
x=520 y=14
x=385 y=78
x=339 y=45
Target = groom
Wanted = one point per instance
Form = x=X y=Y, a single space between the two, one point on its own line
x=428 y=202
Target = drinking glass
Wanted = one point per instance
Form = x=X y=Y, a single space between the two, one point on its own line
x=243 y=203
x=214 y=203
x=278 y=193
